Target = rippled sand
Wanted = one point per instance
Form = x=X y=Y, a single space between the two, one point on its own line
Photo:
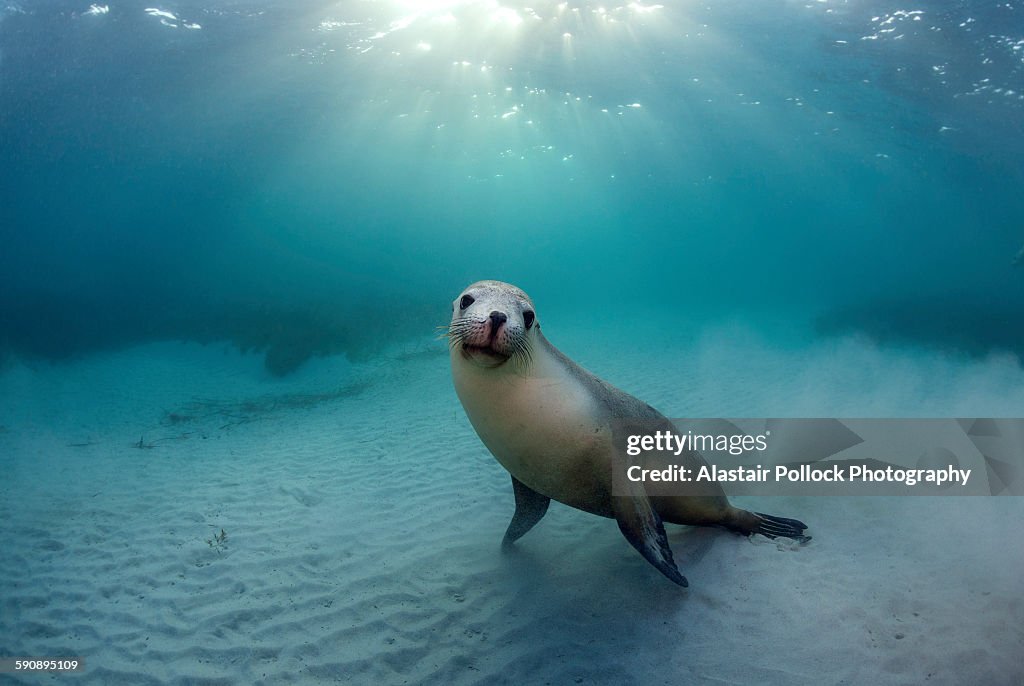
x=362 y=519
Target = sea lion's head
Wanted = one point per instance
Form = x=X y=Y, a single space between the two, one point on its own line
x=493 y=322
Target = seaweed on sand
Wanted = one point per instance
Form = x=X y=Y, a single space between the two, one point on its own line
x=219 y=541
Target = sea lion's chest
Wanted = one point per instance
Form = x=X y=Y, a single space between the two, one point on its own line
x=543 y=427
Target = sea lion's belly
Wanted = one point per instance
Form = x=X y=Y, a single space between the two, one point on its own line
x=545 y=430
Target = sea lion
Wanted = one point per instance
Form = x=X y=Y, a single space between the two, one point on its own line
x=550 y=423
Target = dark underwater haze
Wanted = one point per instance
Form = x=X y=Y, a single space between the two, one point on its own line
x=314 y=177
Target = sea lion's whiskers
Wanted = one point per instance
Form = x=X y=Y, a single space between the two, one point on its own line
x=460 y=328
x=521 y=356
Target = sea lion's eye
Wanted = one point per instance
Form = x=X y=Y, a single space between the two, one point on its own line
x=528 y=318
x=466 y=301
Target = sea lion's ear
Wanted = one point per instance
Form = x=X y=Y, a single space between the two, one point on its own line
x=643 y=528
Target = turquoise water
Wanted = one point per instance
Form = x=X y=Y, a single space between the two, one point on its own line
x=229 y=230
x=249 y=170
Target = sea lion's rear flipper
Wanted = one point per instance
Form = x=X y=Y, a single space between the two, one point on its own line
x=530 y=507
x=643 y=528
x=772 y=527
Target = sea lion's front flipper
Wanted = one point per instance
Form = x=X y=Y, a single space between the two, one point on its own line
x=643 y=528
x=530 y=507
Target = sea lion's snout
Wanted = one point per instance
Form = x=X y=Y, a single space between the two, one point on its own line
x=497 y=319
x=488 y=345
x=488 y=332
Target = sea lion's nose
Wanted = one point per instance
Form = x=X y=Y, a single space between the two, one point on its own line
x=497 y=319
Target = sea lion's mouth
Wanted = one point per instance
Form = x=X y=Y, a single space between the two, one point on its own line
x=484 y=355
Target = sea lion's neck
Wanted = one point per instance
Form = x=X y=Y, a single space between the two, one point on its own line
x=545 y=396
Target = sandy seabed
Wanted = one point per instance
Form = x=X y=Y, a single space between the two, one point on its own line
x=362 y=519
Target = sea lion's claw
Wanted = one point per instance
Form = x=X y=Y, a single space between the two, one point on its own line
x=772 y=527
